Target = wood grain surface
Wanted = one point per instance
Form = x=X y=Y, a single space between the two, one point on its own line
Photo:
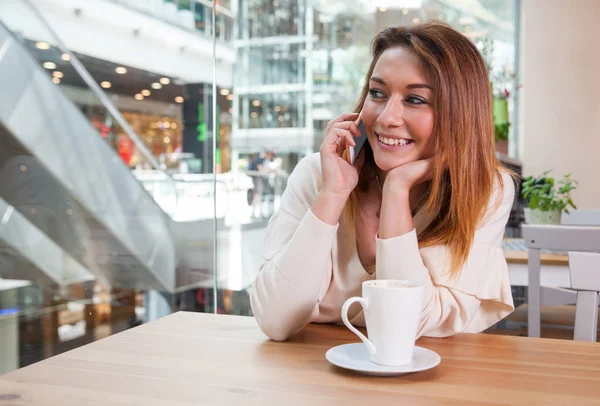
x=201 y=359
x=520 y=257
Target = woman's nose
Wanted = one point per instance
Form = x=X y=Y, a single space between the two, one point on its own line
x=393 y=113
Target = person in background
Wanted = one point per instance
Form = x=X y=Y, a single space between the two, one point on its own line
x=427 y=201
x=254 y=196
x=269 y=172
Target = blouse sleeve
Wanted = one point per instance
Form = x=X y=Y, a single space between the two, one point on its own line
x=475 y=299
x=296 y=260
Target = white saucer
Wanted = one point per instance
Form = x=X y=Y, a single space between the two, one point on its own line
x=357 y=358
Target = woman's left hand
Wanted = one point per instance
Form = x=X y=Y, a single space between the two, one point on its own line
x=404 y=177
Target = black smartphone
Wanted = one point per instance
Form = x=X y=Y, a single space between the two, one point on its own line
x=360 y=142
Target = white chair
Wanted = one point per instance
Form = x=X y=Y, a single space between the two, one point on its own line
x=557 y=238
x=581 y=218
x=584 y=268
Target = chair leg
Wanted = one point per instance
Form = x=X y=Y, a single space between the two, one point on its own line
x=534 y=294
x=586 y=316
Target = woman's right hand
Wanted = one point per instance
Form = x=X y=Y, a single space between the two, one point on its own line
x=339 y=177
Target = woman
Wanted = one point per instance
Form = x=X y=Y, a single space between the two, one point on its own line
x=426 y=200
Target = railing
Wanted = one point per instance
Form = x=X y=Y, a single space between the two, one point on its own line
x=242 y=197
x=193 y=15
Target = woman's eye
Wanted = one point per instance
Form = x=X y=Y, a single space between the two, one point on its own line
x=415 y=100
x=376 y=94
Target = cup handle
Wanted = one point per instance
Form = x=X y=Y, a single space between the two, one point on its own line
x=360 y=335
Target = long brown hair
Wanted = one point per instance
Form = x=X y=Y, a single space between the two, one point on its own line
x=465 y=165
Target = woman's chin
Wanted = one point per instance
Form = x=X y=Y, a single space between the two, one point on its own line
x=386 y=164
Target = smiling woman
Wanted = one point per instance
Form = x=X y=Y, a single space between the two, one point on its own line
x=397 y=112
x=426 y=200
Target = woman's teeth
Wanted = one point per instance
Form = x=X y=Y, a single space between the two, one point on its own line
x=393 y=141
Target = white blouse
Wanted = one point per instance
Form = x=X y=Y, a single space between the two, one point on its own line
x=310 y=268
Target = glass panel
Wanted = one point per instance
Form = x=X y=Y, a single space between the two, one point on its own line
x=107 y=196
x=300 y=64
x=274 y=64
x=273 y=110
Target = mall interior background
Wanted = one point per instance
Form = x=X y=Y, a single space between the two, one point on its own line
x=144 y=144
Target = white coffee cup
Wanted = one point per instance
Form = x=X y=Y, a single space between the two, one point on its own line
x=392 y=310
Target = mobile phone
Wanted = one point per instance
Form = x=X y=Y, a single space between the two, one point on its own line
x=360 y=143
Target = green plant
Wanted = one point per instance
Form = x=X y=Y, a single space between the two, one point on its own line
x=501 y=131
x=543 y=193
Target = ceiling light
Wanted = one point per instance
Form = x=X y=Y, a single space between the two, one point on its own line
x=256 y=103
x=405 y=11
x=139 y=97
x=156 y=85
x=65 y=57
x=58 y=74
x=230 y=110
x=173 y=125
x=42 y=45
x=179 y=99
x=166 y=124
x=166 y=140
x=229 y=97
x=416 y=20
x=49 y=65
x=382 y=9
x=56 y=81
x=121 y=70
x=106 y=84
x=165 y=81
x=224 y=92
x=145 y=92
x=277 y=108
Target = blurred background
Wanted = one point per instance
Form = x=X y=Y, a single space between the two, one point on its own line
x=144 y=144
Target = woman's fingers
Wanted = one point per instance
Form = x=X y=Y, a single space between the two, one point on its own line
x=341 y=118
x=344 y=139
x=348 y=125
x=335 y=133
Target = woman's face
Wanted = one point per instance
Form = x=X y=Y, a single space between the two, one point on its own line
x=397 y=113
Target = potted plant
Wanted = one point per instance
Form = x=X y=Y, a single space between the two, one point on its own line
x=501 y=80
x=501 y=95
x=546 y=199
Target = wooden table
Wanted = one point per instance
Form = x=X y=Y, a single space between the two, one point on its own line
x=198 y=359
x=520 y=257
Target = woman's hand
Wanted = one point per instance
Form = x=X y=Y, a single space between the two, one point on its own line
x=404 y=177
x=339 y=177
x=396 y=216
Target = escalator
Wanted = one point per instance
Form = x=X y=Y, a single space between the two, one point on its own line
x=60 y=180
x=91 y=215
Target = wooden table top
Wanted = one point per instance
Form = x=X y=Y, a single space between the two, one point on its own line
x=520 y=257
x=198 y=359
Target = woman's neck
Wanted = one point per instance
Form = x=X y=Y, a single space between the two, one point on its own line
x=417 y=192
